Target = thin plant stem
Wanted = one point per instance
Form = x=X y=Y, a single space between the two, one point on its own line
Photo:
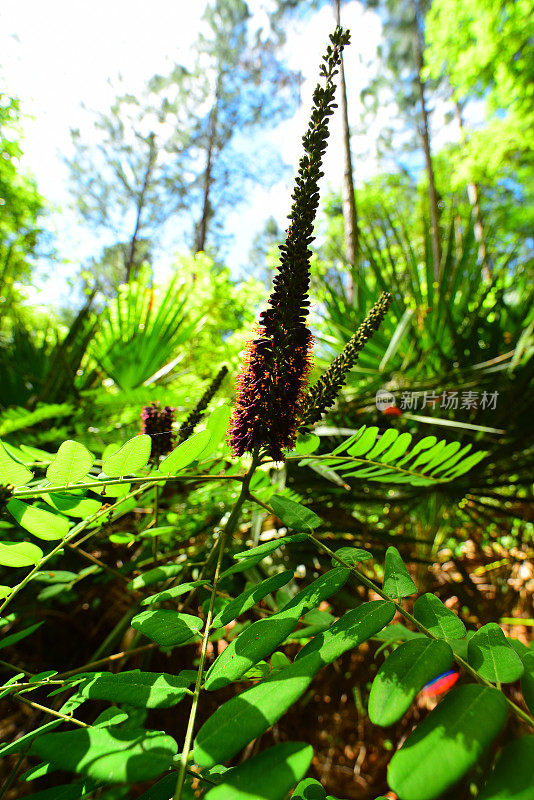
x=58 y=714
x=228 y=531
x=415 y=622
x=153 y=479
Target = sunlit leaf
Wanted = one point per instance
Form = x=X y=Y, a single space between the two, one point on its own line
x=350 y=630
x=113 y=755
x=251 y=596
x=263 y=636
x=131 y=457
x=440 y=620
x=185 y=453
x=247 y=716
x=309 y=789
x=19 y=554
x=352 y=555
x=72 y=462
x=156 y=575
x=397 y=580
x=173 y=591
x=403 y=674
x=447 y=743
x=490 y=653
x=12 y=472
x=267 y=776
x=139 y=689
x=37 y=521
x=167 y=628
x=294 y=515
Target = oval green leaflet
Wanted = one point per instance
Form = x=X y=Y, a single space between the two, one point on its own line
x=113 y=755
x=397 y=580
x=19 y=554
x=350 y=630
x=131 y=457
x=402 y=676
x=185 y=453
x=513 y=775
x=248 y=715
x=267 y=776
x=440 y=620
x=136 y=688
x=492 y=655
x=294 y=515
x=167 y=628
x=264 y=635
x=71 y=463
x=12 y=472
x=447 y=743
x=37 y=521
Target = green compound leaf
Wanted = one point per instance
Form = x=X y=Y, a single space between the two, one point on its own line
x=440 y=620
x=248 y=715
x=37 y=521
x=350 y=630
x=352 y=555
x=268 y=776
x=12 y=472
x=397 y=581
x=447 y=743
x=309 y=789
x=167 y=628
x=294 y=515
x=139 y=689
x=513 y=776
x=19 y=554
x=72 y=462
x=263 y=636
x=112 y=755
x=250 y=597
x=492 y=655
x=131 y=457
x=156 y=575
x=185 y=453
x=402 y=676
x=174 y=591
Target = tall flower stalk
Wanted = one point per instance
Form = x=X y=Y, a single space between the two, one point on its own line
x=272 y=383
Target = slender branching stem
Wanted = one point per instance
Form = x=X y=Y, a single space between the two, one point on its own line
x=228 y=531
x=148 y=480
x=415 y=622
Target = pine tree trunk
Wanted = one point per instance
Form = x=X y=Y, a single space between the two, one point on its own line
x=140 y=207
x=424 y=131
x=202 y=226
x=350 y=212
x=473 y=195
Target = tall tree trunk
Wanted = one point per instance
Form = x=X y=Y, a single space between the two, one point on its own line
x=424 y=131
x=202 y=225
x=473 y=195
x=140 y=206
x=350 y=212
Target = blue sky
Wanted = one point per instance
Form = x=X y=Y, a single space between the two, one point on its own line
x=60 y=54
